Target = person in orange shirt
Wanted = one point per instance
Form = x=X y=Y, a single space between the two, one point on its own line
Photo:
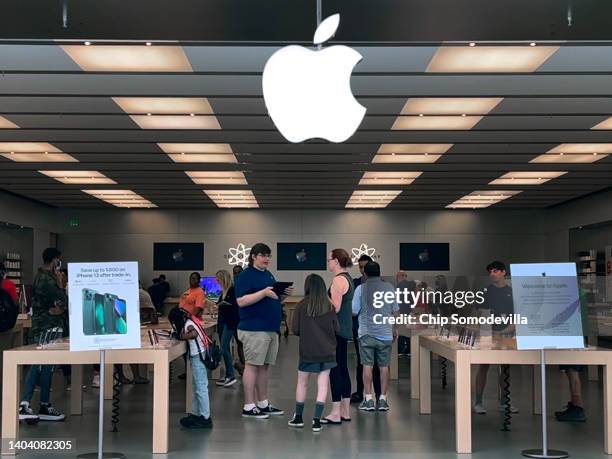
x=194 y=298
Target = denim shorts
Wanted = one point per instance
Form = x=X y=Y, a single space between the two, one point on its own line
x=374 y=350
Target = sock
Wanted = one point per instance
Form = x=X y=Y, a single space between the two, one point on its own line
x=249 y=406
x=299 y=409
x=383 y=397
x=478 y=399
x=319 y=406
x=368 y=397
x=262 y=404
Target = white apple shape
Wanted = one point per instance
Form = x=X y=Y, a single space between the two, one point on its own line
x=308 y=92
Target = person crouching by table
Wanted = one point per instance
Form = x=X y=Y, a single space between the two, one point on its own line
x=316 y=323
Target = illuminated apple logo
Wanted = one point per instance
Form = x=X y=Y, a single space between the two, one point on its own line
x=308 y=92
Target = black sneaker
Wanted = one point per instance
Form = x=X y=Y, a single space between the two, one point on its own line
x=27 y=414
x=356 y=397
x=221 y=381
x=230 y=382
x=316 y=425
x=200 y=422
x=569 y=405
x=48 y=413
x=297 y=421
x=272 y=411
x=572 y=414
x=255 y=413
x=188 y=420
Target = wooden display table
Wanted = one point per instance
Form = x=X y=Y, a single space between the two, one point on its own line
x=290 y=303
x=463 y=357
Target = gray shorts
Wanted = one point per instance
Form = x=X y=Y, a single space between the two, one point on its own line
x=260 y=347
x=374 y=350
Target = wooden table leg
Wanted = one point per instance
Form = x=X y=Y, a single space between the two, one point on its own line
x=188 y=387
x=537 y=389
x=10 y=394
x=463 y=403
x=76 y=394
x=394 y=363
x=108 y=381
x=607 y=408
x=425 y=379
x=161 y=405
x=414 y=367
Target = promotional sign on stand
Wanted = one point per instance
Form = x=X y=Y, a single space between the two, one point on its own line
x=104 y=314
x=547 y=295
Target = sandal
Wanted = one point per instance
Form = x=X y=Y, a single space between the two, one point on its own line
x=330 y=421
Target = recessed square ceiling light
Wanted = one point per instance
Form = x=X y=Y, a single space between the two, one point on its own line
x=217 y=177
x=33 y=152
x=121 y=198
x=526 y=178
x=199 y=152
x=79 y=177
x=165 y=105
x=410 y=152
x=232 y=198
x=176 y=122
x=450 y=105
x=435 y=122
x=489 y=59
x=117 y=58
x=389 y=178
x=6 y=124
x=482 y=199
x=375 y=199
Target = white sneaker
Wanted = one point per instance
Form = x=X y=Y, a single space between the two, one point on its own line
x=95 y=382
x=480 y=409
x=513 y=409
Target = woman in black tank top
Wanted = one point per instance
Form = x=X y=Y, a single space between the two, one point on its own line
x=341 y=294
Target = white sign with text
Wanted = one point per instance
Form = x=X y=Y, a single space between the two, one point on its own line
x=547 y=295
x=103 y=306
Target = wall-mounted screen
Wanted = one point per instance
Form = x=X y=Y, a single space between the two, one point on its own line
x=178 y=256
x=301 y=256
x=424 y=256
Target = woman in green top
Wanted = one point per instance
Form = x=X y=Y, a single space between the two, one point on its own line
x=341 y=294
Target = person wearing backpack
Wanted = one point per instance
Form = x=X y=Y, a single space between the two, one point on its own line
x=316 y=323
x=191 y=331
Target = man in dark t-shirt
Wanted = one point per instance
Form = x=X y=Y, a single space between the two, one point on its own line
x=498 y=299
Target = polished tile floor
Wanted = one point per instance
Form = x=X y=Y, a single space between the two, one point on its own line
x=399 y=433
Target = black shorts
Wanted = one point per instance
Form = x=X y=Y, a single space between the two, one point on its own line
x=571 y=367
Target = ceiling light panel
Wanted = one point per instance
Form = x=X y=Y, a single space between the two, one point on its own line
x=435 y=122
x=399 y=153
x=372 y=199
x=176 y=121
x=111 y=58
x=233 y=198
x=33 y=152
x=450 y=105
x=199 y=152
x=482 y=199
x=489 y=59
x=164 y=105
x=121 y=198
x=6 y=124
x=79 y=177
x=217 y=177
x=526 y=178
x=389 y=178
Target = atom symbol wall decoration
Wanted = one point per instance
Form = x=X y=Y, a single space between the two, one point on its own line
x=363 y=249
x=239 y=255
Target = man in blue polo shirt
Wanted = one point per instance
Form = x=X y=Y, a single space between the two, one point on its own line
x=260 y=318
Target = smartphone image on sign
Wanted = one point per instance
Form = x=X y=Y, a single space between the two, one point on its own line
x=100 y=318
x=89 y=315
x=109 y=313
x=120 y=317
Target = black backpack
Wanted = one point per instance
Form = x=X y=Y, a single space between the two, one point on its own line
x=211 y=357
x=8 y=311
